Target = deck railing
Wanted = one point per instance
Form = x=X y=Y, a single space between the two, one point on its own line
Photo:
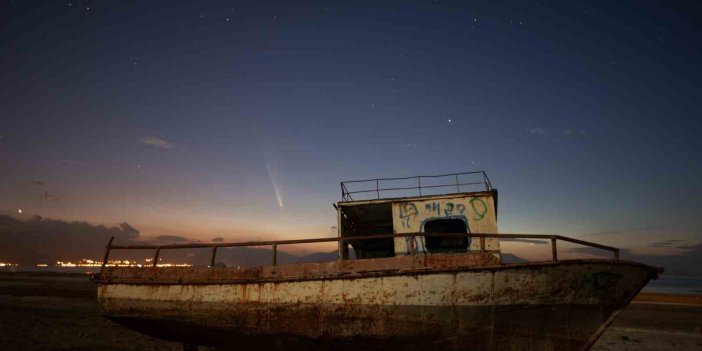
x=344 y=242
x=452 y=181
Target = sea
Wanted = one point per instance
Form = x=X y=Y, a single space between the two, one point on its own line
x=676 y=285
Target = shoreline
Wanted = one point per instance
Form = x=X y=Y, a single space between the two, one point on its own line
x=668 y=299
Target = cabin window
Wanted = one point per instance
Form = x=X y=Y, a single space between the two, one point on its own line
x=368 y=219
x=438 y=244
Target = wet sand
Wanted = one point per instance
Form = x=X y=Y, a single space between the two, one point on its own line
x=49 y=311
x=653 y=326
x=44 y=311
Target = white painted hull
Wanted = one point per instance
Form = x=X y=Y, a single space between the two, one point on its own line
x=549 y=306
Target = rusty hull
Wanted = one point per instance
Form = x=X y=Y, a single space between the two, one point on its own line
x=447 y=301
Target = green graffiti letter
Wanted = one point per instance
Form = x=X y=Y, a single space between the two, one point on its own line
x=480 y=210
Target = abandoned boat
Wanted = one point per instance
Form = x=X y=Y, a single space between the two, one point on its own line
x=412 y=272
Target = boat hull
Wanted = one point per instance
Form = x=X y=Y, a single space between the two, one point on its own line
x=536 y=306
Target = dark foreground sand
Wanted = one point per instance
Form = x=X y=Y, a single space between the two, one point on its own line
x=59 y=312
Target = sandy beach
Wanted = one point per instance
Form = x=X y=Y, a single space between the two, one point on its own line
x=50 y=311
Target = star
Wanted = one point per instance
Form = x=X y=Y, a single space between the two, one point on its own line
x=449 y=120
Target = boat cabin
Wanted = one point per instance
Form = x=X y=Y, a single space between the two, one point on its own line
x=448 y=204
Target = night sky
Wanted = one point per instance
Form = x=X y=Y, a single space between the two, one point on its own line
x=238 y=119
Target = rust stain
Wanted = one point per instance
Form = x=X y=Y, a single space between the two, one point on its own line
x=335 y=269
x=410 y=300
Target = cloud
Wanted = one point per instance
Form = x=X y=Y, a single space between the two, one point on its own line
x=156 y=142
x=624 y=231
x=567 y=132
x=537 y=131
x=171 y=238
x=666 y=243
x=37 y=182
x=40 y=240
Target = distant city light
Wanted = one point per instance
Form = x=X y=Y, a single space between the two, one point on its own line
x=19 y=210
x=117 y=263
x=5 y=264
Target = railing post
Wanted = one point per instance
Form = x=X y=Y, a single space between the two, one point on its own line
x=275 y=254
x=616 y=255
x=419 y=185
x=214 y=253
x=158 y=251
x=554 y=250
x=458 y=187
x=411 y=245
x=107 y=254
x=482 y=244
x=343 y=249
x=377 y=188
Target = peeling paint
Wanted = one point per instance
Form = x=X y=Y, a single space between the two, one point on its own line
x=418 y=302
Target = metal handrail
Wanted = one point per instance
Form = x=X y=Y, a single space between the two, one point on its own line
x=346 y=194
x=344 y=242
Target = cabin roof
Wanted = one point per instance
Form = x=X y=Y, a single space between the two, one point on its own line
x=414 y=187
x=492 y=192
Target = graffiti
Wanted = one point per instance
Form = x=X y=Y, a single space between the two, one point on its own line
x=450 y=209
x=411 y=216
x=408 y=212
x=480 y=210
x=433 y=207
